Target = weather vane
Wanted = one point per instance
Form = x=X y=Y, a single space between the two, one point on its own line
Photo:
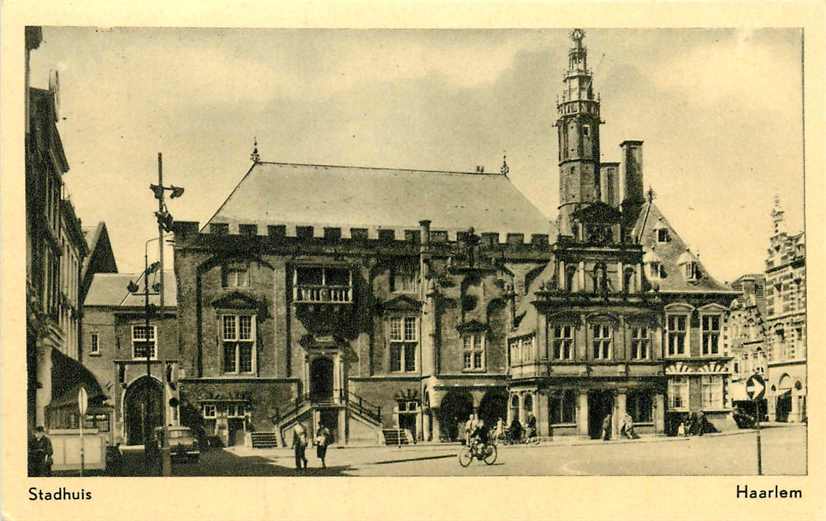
x=254 y=157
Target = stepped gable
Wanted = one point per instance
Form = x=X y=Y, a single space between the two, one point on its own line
x=372 y=198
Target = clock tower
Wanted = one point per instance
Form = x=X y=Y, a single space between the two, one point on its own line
x=578 y=130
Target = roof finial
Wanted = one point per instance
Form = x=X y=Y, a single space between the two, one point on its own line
x=254 y=157
x=651 y=194
x=504 y=169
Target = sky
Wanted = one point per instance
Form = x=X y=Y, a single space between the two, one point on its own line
x=719 y=112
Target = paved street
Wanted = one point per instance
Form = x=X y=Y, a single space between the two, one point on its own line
x=729 y=454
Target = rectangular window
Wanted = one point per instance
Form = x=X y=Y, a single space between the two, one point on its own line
x=563 y=343
x=655 y=270
x=404 y=279
x=676 y=334
x=711 y=334
x=404 y=341
x=563 y=408
x=238 y=332
x=712 y=391
x=237 y=277
x=639 y=406
x=678 y=393
x=208 y=410
x=640 y=343
x=474 y=352
x=94 y=345
x=143 y=342
x=602 y=341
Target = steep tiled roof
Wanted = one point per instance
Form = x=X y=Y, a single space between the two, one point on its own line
x=109 y=289
x=671 y=254
x=360 y=197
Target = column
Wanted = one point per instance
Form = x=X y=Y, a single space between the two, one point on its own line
x=436 y=427
x=509 y=410
x=342 y=425
x=771 y=405
x=521 y=411
x=542 y=420
x=659 y=413
x=794 y=414
x=427 y=434
x=582 y=414
x=581 y=276
x=306 y=389
x=336 y=377
x=619 y=412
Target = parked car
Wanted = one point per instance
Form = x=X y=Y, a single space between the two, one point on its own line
x=182 y=442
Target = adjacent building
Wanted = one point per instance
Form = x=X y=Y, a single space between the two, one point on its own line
x=390 y=303
x=136 y=366
x=786 y=322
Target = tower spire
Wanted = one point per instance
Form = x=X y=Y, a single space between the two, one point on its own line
x=777 y=215
x=578 y=121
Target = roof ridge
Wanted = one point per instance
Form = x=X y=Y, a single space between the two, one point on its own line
x=387 y=168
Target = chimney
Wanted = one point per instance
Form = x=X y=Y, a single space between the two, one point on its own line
x=610 y=184
x=632 y=171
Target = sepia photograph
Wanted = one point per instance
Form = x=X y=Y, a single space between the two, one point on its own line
x=339 y=252
x=460 y=261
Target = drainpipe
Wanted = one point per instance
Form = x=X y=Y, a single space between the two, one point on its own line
x=424 y=282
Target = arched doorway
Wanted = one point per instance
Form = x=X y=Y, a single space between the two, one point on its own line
x=454 y=411
x=494 y=405
x=144 y=409
x=321 y=380
x=783 y=405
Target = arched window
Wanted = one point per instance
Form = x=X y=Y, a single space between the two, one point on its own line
x=527 y=403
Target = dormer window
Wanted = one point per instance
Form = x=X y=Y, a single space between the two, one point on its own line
x=691 y=271
x=691 y=268
x=662 y=232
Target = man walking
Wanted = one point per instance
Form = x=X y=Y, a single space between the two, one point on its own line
x=41 y=453
x=300 y=446
x=606 y=428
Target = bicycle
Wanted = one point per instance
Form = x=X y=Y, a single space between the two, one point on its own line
x=477 y=450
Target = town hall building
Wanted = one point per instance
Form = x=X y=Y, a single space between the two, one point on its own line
x=390 y=304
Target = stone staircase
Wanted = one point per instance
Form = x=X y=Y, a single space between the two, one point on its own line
x=264 y=440
x=396 y=437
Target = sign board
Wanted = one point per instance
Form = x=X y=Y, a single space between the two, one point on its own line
x=82 y=401
x=755 y=387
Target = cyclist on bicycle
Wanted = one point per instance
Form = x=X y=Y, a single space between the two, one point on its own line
x=479 y=435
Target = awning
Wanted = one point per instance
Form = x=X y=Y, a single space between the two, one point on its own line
x=68 y=376
x=738 y=393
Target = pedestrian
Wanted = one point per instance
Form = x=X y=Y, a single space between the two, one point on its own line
x=515 y=430
x=531 y=428
x=701 y=423
x=41 y=453
x=606 y=427
x=628 y=427
x=499 y=433
x=681 y=430
x=300 y=446
x=322 y=440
